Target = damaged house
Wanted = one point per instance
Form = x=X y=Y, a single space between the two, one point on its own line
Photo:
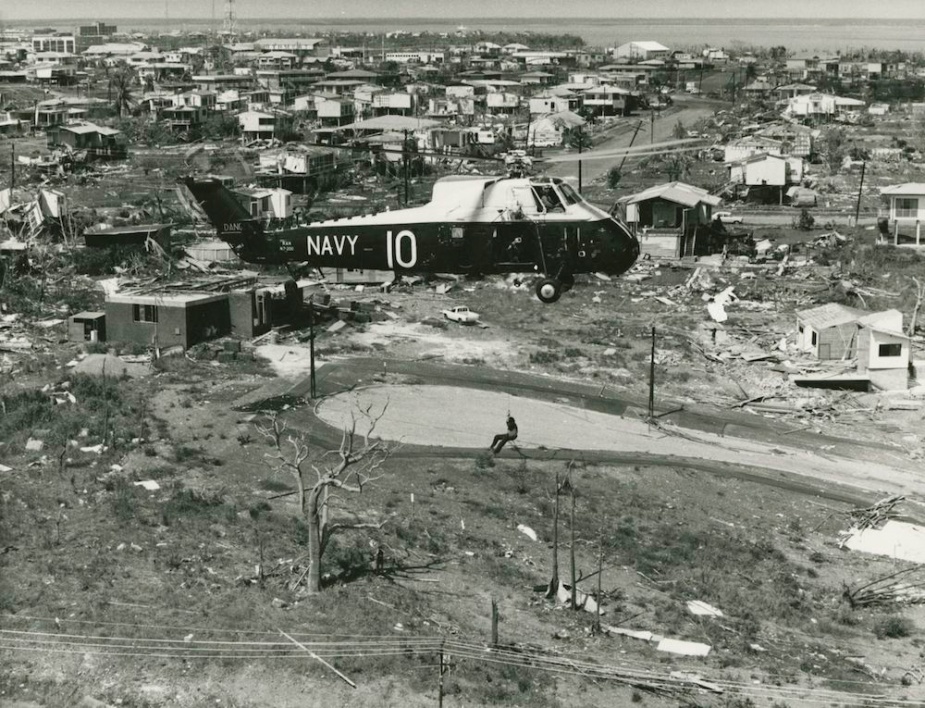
x=99 y=142
x=670 y=220
x=835 y=332
x=764 y=177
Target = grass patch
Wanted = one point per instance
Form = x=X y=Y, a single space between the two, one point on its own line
x=191 y=505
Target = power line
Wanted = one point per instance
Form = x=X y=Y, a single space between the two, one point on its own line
x=384 y=646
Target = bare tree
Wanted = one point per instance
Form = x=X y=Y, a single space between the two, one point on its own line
x=553 y=587
x=319 y=479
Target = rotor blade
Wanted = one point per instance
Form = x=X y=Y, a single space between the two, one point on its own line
x=411 y=153
x=616 y=150
x=616 y=154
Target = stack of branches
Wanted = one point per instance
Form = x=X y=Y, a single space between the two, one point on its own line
x=901 y=586
x=872 y=516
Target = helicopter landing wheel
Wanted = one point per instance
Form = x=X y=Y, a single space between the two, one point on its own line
x=548 y=290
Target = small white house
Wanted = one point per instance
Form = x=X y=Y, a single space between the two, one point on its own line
x=907 y=208
x=549 y=130
x=765 y=169
x=257 y=125
x=837 y=332
x=267 y=203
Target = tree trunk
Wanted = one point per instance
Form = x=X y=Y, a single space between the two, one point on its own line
x=571 y=553
x=313 y=517
x=553 y=588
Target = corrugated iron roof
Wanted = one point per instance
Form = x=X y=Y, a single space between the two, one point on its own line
x=831 y=314
x=909 y=188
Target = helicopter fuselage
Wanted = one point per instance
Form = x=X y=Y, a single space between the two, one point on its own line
x=473 y=225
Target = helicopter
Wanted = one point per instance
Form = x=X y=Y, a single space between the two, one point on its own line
x=473 y=225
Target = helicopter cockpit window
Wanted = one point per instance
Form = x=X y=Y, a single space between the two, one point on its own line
x=570 y=195
x=548 y=197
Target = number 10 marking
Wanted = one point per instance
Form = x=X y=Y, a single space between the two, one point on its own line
x=402 y=250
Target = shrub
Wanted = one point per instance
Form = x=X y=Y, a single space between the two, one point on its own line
x=123 y=500
x=893 y=627
x=484 y=461
x=807 y=221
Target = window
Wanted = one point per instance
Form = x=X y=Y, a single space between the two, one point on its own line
x=890 y=349
x=144 y=313
x=548 y=197
x=571 y=196
x=906 y=207
x=814 y=339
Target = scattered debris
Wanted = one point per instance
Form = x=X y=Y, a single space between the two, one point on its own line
x=527 y=531
x=702 y=609
x=888 y=589
x=683 y=648
x=148 y=484
x=896 y=539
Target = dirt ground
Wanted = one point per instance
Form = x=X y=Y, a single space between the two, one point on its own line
x=177 y=564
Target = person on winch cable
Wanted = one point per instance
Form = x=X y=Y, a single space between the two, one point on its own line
x=501 y=440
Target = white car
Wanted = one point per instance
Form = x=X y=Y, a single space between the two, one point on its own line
x=461 y=314
x=727 y=217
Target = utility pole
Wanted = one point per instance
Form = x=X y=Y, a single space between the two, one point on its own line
x=494 y=622
x=651 y=125
x=12 y=167
x=600 y=572
x=571 y=551
x=311 y=346
x=404 y=157
x=632 y=140
x=442 y=669
x=652 y=379
x=580 y=140
x=553 y=588
x=857 y=209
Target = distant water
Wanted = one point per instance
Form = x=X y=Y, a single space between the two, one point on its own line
x=824 y=35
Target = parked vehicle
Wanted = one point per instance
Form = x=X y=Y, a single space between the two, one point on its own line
x=461 y=314
x=727 y=217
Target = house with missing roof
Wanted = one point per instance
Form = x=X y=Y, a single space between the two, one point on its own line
x=836 y=332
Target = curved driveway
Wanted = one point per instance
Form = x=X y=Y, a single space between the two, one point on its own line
x=446 y=410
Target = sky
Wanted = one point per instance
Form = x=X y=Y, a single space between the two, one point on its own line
x=18 y=10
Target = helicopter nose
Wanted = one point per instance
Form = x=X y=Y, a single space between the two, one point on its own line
x=624 y=247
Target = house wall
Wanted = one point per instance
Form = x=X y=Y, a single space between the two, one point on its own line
x=889 y=379
x=768 y=171
x=176 y=325
x=874 y=361
x=839 y=342
x=249 y=314
x=77 y=329
x=916 y=213
x=659 y=245
x=169 y=330
x=206 y=321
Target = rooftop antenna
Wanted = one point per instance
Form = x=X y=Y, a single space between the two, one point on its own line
x=230 y=25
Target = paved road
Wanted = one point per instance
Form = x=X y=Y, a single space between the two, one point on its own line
x=621 y=136
x=455 y=410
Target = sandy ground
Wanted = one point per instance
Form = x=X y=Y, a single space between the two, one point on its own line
x=457 y=417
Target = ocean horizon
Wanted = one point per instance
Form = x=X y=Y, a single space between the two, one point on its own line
x=815 y=35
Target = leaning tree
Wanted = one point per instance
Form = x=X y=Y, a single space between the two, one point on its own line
x=322 y=477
